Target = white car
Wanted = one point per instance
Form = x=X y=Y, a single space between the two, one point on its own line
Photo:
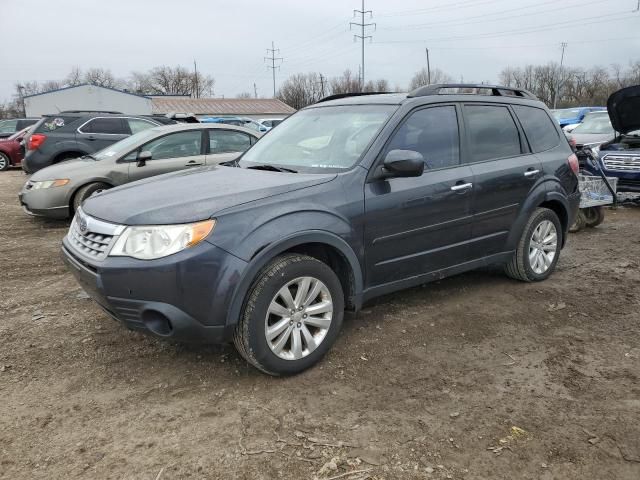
x=269 y=123
x=569 y=128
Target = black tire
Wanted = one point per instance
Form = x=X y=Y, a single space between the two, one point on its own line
x=250 y=337
x=519 y=267
x=85 y=192
x=593 y=216
x=5 y=163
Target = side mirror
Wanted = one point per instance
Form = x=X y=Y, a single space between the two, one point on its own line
x=402 y=163
x=143 y=158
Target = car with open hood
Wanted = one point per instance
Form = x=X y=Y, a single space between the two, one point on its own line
x=619 y=155
x=351 y=198
x=59 y=190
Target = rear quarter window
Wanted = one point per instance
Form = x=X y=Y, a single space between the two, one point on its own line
x=538 y=127
x=51 y=124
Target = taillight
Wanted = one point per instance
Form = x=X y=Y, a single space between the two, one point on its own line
x=36 y=140
x=573 y=163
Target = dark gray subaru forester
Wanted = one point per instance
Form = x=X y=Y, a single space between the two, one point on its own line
x=351 y=198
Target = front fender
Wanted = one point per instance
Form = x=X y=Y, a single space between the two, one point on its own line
x=266 y=254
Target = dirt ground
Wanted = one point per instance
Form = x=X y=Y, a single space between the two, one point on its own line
x=473 y=377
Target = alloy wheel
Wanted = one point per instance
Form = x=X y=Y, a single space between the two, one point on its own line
x=543 y=247
x=298 y=318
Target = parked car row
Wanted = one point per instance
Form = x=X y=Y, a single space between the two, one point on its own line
x=269 y=241
x=58 y=191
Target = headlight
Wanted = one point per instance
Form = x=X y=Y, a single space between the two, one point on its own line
x=49 y=183
x=157 y=241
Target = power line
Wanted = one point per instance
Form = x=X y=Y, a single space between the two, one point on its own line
x=523 y=31
x=362 y=37
x=273 y=66
x=494 y=17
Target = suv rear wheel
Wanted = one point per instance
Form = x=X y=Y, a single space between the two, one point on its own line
x=292 y=315
x=538 y=250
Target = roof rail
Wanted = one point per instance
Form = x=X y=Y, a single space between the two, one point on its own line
x=91 y=111
x=338 y=96
x=496 y=90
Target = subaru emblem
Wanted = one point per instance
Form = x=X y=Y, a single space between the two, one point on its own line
x=82 y=224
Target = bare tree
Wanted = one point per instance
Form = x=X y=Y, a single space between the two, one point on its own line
x=421 y=77
x=346 y=83
x=100 y=77
x=75 y=77
x=300 y=90
x=244 y=95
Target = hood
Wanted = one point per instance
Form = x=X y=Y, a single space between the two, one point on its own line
x=193 y=195
x=66 y=169
x=586 y=138
x=624 y=109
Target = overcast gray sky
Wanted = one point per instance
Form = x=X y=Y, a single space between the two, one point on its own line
x=475 y=39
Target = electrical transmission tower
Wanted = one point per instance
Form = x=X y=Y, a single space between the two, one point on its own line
x=362 y=35
x=273 y=51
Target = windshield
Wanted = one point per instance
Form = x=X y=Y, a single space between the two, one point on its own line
x=326 y=138
x=124 y=146
x=595 y=123
x=566 y=113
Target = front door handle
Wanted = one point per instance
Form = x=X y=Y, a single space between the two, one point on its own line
x=531 y=173
x=461 y=187
x=193 y=163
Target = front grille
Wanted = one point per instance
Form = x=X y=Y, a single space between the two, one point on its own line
x=622 y=163
x=92 y=238
x=90 y=243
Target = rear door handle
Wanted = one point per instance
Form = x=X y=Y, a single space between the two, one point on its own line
x=531 y=173
x=461 y=187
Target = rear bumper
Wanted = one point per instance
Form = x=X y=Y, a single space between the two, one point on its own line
x=183 y=297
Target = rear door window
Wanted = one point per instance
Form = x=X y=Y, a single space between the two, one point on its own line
x=227 y=141
x=113 y=126
x=538 y=127
x=492 y=132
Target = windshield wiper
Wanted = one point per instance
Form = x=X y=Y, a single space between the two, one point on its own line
x=272 y=168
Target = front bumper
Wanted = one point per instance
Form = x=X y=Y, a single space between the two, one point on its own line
x=45 y=203
x=184 y=297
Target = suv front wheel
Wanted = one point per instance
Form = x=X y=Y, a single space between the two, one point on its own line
x=292 y=315
x=538 y=250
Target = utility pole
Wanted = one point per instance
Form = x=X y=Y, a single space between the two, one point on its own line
x=563 y=45
x=195 y=79
x=273 y=50
x=362 y=36
x=428 y=68
x=255 y=90
x=322 y=95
